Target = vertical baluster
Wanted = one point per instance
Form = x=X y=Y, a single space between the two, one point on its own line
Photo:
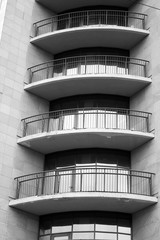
x=81 y=180
x=30 y=76
x=23 y=128
x=37 y=185
x=150 y=185
x=143 y=22
x=52 y=24
x=117 y=173
x=104 y=178
x=18 y=189
x=130 y=179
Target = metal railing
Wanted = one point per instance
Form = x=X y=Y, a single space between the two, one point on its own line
x=91 y=64
x=85 y=179
x=86 y=118
x=90 y=18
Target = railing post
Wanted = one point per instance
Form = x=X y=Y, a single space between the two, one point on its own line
x=150 y=186
x=96 y=118
x=143 y=22
x=104 y=178
x=81 y=180
x=47 y=73
x=126 y=67
x=147 y=123
x=96 y=175
x=48 y=123
x=129 y=120
x=24 y=128
x=43 y=123
x=85 y=64
x=18 y=189
x=106 y=17
x=56 y=183
x=69 y=20
x=105 y=119
x=117 y=178
x=52 y=24
x=87 y=18
x=116 y=120
x=83 y=118
x=30 y=75
x=65 y=67
x=145 y=70
x=37 y=185
x=35 y=29
x=126 y=16
x=130 y=177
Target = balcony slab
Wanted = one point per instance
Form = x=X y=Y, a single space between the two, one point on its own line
x=90 y=36
x=64 y=86
x=117 y=202
x=54 y=141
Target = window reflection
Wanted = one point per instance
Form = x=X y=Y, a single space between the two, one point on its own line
x=61 y=229
x=86 y=235
x=91 y=178
x=107 y=236
x=91 y=65
x=106 y=228
x=124 y=237
x=124 y=229
x=83 y=227
x=85 y=119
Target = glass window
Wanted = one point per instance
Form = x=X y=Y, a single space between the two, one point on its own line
x=83 y=227
x=61 y=229
x=124 y=237
x=107 y=236
x=86 y=235
x=61 y=238
x=106 y=228
x=124 y=230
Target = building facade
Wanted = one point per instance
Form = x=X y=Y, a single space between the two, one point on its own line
x=79 y=125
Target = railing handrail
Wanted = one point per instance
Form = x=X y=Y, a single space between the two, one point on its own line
x=89 y=108
x=85 y=11
x=89 y=168
x=85 y=56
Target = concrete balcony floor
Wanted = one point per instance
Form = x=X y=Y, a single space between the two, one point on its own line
x=118 y=202
x=63 y=5
x=53 y=141
x=90 y=36
x=63 y=86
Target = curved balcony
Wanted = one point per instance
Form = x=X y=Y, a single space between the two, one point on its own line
x=111 y=28
x=105 y=74
x=63 y=5
x=86 y=128
x=100 y=188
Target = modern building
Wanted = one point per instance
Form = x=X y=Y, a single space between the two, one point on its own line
x=79 y=120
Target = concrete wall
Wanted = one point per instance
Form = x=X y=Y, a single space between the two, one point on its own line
x=16 y=55
x=146 y=223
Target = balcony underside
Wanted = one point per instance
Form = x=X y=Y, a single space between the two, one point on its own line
x=48 y=142
x=117 y=202
x=63 y=5
x=64 y=86
x=90 y=36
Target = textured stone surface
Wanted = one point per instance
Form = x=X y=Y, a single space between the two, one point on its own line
x=16 y=55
